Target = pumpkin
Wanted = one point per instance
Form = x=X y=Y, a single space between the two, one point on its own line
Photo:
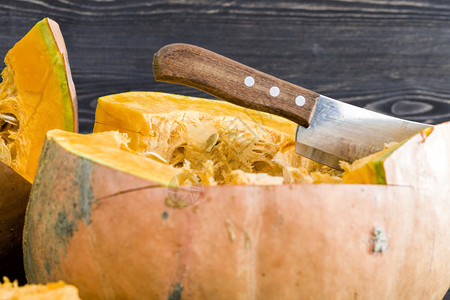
x=213 y=142
x=52 y=291
x=37 y=94
x=162 y=202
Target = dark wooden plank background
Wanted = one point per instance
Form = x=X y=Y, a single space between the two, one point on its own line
x=389 y=56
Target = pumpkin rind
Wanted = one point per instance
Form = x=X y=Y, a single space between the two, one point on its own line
x=114 y=236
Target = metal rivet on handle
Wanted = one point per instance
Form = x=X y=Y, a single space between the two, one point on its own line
x=300 y=100
x=274 y=91
x=249 y=81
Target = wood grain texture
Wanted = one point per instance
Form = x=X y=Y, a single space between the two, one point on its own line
x=227 y=79
x=389 y=56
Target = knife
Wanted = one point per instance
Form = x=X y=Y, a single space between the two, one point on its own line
x=329 y=130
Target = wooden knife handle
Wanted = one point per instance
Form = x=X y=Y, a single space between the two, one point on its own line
x=234 y=82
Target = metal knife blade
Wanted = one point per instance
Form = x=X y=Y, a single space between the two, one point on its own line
x=342 y=132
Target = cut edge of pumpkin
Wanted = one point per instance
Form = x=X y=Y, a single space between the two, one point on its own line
x=110 y=149
x=60 y=46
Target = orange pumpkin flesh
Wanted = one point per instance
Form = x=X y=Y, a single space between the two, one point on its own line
x=36 y=94
x=116 y=229
x=213 y=142
x=52 y=291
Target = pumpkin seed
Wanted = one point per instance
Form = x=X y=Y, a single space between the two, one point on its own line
x=5 y=154
x=211 y=141
x=9 y=118
x=155 y=156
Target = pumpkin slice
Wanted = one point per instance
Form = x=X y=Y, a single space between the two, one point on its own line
x=105 y=215
x=37 y=94
x=51 y=291
x=213 y=142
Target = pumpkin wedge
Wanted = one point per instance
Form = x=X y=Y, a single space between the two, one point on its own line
x=121 y=223
x=37 y=94
x=51 y=291
x=213 y=142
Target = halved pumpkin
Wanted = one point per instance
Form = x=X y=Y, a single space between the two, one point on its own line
x=37 y=94
x=107 y=213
